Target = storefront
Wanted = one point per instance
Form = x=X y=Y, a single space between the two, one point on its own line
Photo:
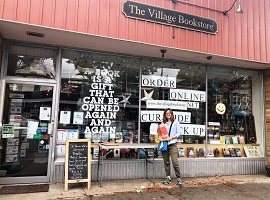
x=103 y=84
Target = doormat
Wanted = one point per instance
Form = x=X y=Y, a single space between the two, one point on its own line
x=20 y=189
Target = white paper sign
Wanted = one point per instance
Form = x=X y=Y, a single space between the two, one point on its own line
x=159 y=81
x=159 y=104
x=31 y=128
x=65 y=117
x=192 y=129
x=153 y=128
x=61 y=136
x=78 y=118
x=156 y=116
x=187 y=95
x=45 y=113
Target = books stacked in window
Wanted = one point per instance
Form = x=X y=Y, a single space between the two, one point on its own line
x=216 y=152
x=222 y=139
x=96 y=137
x=238 y=152
x=232 y=152
x=190 y=152
x=226 y=152
x=241 y=140
x=210 y=152
x=200 y=152
x=227 y=140
x=235 y=139
x=181 y=152
x=118 y=137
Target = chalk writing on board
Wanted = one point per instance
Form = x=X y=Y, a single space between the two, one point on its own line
x=78 y=161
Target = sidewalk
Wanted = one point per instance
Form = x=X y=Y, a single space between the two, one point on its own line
x=220 y=187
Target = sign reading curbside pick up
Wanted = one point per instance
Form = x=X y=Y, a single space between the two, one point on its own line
x=146 y=12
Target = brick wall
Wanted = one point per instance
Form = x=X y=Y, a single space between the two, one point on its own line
x=267 y=112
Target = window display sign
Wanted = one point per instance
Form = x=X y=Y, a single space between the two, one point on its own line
x=31 y=129
x=192 y=129
x=187 y=95
x=78 y=118
x=101 y=106
x=65 y=117
x=8 y=131
x=159 y=81
x=45 y=113
x=178 y=105
x=156 y=116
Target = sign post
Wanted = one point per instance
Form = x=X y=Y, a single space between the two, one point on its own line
x=78 y=162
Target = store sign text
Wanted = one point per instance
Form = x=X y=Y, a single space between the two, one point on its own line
x=150 y=13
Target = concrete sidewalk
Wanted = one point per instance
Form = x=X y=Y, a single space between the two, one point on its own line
x=220 y=187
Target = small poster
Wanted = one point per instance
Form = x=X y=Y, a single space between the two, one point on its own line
x=25 y=145
x=15 y=110
x=153 y=128
x=15 y=118
x=78 y=118
x=16 y=102
x=14 y=95
x=8 y=131
x=23 y=153
x=31 y=129
x=12 y=158
x=61 y=136
x=72 y=134
x=12 y=141
x=12 y=149
x=65 y=117
x=45 y=113
x=253 y=151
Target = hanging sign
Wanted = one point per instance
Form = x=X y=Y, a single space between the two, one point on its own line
x=159 y=15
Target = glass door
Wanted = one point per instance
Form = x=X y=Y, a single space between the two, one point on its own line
x=27 y=130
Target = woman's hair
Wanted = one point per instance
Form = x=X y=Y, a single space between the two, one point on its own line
x=164 y=115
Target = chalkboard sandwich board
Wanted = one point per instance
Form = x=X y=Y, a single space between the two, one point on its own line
x=78 y=162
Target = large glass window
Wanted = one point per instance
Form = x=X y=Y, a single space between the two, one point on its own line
x=113 y=98
x=31 y=62
x=180 y=87
x=231 y=115
x=99 y=98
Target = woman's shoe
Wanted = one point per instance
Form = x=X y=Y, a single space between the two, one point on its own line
x=179 y=183
x=167 y=181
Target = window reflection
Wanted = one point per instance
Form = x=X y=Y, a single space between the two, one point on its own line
x=31 y=62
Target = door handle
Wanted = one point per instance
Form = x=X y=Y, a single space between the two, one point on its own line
x=50 y=128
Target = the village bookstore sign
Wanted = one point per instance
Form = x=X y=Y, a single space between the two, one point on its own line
x=146 y=12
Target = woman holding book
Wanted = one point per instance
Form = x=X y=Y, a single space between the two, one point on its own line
x=173 y=130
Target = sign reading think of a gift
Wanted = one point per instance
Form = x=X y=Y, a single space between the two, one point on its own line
x=159 y=15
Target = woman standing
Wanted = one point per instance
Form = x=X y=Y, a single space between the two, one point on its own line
x=173 y=128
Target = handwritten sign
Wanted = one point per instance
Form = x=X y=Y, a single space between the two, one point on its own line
x=78 y=162
x=253 y=151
